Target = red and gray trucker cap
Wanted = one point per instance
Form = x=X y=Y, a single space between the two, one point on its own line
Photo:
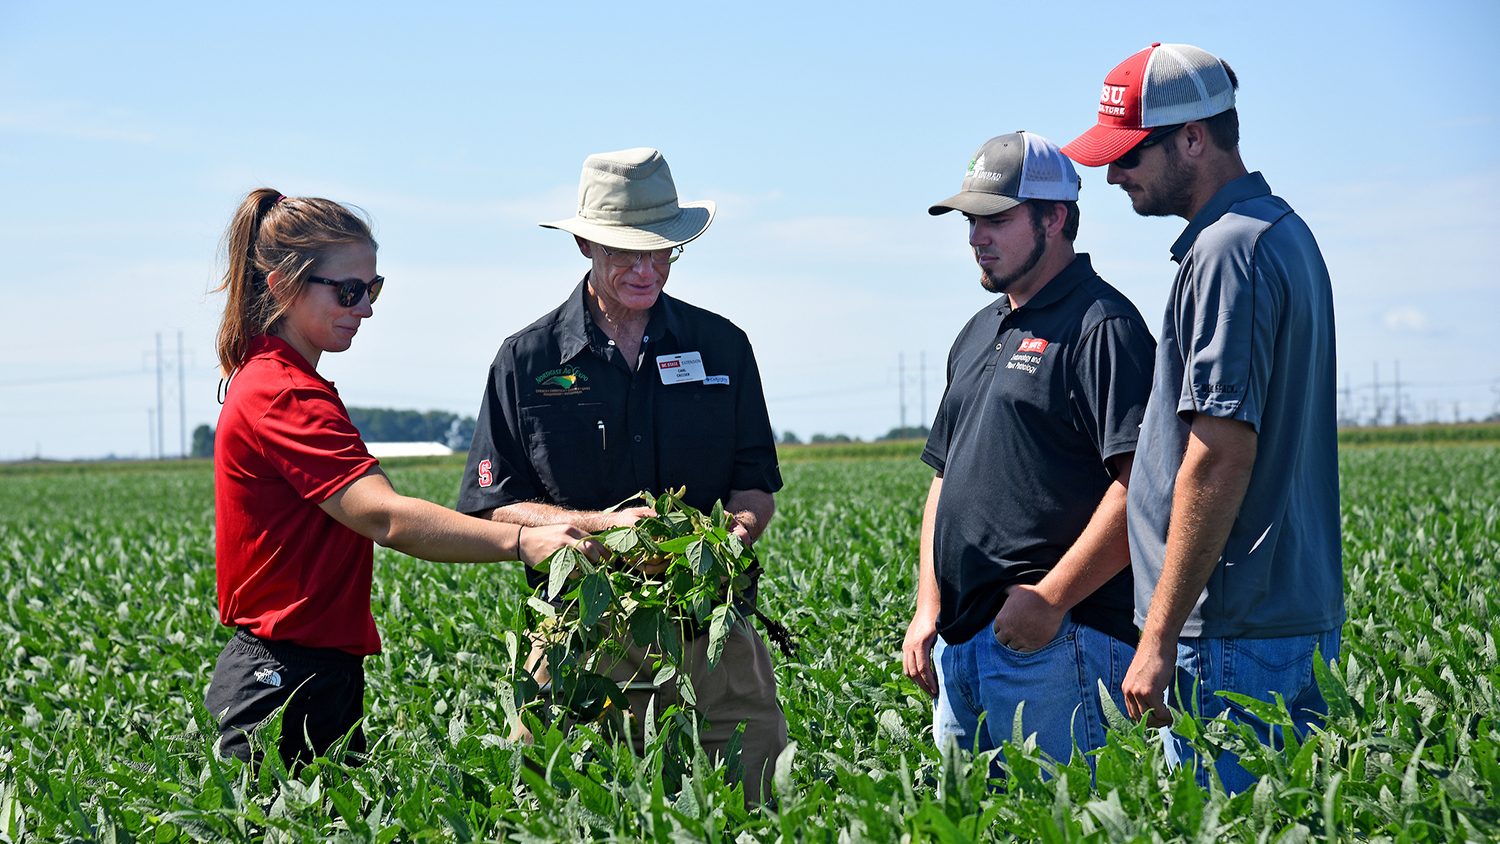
x=1007 y=171
x=1162 y=85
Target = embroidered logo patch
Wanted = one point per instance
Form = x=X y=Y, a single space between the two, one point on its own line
x=268 y=677
x=486 y=473
x=1028 y=355
x=567 y=380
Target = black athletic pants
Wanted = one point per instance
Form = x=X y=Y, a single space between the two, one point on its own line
x=323 y=690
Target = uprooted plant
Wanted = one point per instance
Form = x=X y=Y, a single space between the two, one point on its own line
x=665 y=580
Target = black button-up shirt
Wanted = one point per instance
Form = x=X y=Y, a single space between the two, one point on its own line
x=1038 y=400
x=566 y=420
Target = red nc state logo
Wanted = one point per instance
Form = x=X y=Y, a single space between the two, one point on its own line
x=1034 y=345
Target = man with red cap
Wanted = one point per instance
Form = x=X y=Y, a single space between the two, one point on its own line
x=1233 y=506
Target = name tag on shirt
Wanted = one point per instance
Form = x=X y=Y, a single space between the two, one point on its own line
x=680 y=368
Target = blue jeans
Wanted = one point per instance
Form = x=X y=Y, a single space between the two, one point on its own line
x=1059 y=684
x=1254 y=667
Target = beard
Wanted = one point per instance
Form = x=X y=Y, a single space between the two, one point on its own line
x=1000 y=283
x=1172 y=195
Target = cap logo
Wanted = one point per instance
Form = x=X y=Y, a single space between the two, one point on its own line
x=977 y=171
x=1112 y=100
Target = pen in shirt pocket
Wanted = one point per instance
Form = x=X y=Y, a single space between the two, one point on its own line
x=603 y=440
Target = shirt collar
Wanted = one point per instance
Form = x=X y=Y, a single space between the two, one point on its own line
x=1058 y=288
x=274 y=348
x=576 y=327
x=1245 y=187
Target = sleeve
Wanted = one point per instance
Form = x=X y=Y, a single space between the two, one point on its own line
x=1112 y=368
x=1228 y=317
x=935 y=452
x=306 y=434
x=499 y=469
x=755 y=465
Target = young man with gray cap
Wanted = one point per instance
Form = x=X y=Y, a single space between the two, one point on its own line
x=1024 y=590
x=1234 y=510
x=623 y=388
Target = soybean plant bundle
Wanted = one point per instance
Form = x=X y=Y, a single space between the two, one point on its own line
x=592 y=609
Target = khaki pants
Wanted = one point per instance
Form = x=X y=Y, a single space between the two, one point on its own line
x=741 y=689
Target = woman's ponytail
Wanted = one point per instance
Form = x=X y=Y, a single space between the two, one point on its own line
x=272 y=233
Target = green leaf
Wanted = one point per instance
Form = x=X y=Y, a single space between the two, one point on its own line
x=595 y=597
x=1271 y=712
x=621 y=540
x=564 y=561
x=666 y=673
x=645 y=623
x=700 y=556
x=1112 y=713
x=718 y=633
x=1340 y=705
x=541 y=606
x=678 y=545
x=735 y=545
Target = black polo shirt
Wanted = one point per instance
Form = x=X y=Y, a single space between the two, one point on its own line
x=1038 y=400
x=566 y=420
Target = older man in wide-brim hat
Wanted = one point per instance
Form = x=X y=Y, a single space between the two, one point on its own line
x=623 y=388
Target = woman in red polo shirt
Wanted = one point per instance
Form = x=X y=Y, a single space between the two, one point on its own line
x=299 y=501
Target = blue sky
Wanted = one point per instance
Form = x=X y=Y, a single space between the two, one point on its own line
x=129 y=132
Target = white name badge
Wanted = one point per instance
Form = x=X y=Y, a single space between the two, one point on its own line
x=681 y=368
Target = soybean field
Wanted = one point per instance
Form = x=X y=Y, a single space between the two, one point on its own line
x=108 y=632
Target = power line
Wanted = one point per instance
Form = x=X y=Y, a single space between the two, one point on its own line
x=70 y=379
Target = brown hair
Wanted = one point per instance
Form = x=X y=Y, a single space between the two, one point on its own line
x=1070 y=220
x=281 y=234
x=1224 y=127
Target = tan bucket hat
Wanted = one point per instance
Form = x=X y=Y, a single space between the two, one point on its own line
x=626 y=200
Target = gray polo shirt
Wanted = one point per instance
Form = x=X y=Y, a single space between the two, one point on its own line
x=1248 y=335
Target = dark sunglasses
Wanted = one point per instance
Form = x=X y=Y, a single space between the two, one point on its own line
x=351 y=290
x=1132 y=159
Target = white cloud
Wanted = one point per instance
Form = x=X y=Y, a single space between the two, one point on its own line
x=1406 y=319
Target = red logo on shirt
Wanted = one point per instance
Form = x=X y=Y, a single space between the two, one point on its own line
x=1035 y=345
x=486 y=477
x=670 y=364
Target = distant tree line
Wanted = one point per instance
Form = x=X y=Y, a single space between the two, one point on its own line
x=910 y=432
x=384 y=425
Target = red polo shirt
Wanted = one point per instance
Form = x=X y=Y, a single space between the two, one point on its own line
x=287 y=571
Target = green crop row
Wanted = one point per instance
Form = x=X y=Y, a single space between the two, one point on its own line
x=108 y=630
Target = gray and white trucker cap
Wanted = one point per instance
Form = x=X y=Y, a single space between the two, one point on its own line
x=1009 y=170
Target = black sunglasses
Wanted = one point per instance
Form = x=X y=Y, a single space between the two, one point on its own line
x=351 y=290
x=1132 y=159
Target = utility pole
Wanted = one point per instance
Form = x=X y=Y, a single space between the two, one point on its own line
x=901 y=381
x=1396 y=414
x=159 y=426
x=181 y=396
x=1348 y=417
x=150 y=433
x=922 y=363
x=161 y=447
x=1376 y=421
